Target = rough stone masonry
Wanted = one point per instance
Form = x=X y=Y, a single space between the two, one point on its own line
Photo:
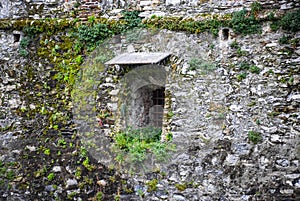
x=240 y=93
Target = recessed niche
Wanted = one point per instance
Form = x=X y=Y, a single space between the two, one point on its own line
x=147 y=107
x=225 y=34
x=17 y=38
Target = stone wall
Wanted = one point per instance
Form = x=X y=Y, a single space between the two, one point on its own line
x=17 y=9
x=216 y=112
x=235 y=108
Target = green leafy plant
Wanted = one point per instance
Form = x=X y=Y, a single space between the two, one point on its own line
x=25 y=41
x=71 y=195
x=170 y=114
x=181 y=187
x=87 y=165
x=140 y=192
x=23 y=52
x=93 y=35
x=271 y=16
x=254 y=69
x=254 y=137
x=234 y=44
x=99 y=196
x=10 y=175
x=284 y=40
x=132 y=19
x=61 y=142
x=47 y=152
x=204 y=66
x=79 y=59
x=291 y=21
x=31 y=31
x=255 y=7
x=244 y=66
x=117 y=197
x=169 y=136
x=91 y=19
x=275 y=25
x=248 y=67
x=243 y=22
x=194 y=63
x=83 y=152
x=241 y=52
x=152 y=185
x=132 y=145
x=241 y=76
x=78 y=173
x=51 y=176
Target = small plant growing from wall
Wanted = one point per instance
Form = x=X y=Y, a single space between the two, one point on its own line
x=152 y=185
x=51 y=176
x=234 y=45
x=254 y=137
x=237 y=47
x=254 y=69
x=194 y=63
x=23 y=46
x=200 y=64
x=241 y=76
x=244 y=66
x=256 y=7
x=181 y=187
x=284 y=40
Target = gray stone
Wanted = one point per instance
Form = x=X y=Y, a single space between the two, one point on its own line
x=71 y=183
x=287 y=191
x=113 y=106
x=14 y=103
x=31 y=148
x=269 y=129
x=49 y=188
x=283 y=162
x=70 y=170
x=178 y=197
x=56 y=169
x=232 y=160
x=145 y=3
x=275 y=138
x=102 y=182
x=295 y=97
x=235 y=108
x=114 y=92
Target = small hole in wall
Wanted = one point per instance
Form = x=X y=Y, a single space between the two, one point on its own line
x=17 y=38
x=225 y=34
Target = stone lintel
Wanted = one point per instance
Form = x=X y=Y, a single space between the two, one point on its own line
x=139 y=58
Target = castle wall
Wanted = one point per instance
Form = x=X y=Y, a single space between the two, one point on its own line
x=17 y=9
x=234 y=101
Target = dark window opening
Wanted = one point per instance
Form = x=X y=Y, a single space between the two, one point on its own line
x=225 y=34
x=158 y=96
x=17 y=38
x=158 y=99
